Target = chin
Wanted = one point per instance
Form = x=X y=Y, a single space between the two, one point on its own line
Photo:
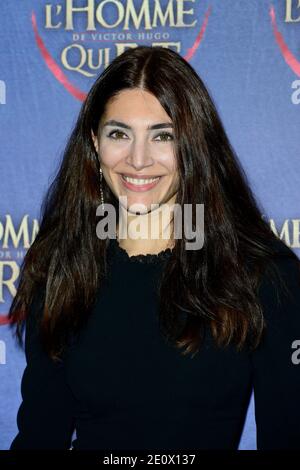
x=139 y=209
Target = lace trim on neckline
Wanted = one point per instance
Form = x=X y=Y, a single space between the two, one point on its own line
x=147 y=258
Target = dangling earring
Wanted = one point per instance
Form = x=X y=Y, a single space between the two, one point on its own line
x=101 y=189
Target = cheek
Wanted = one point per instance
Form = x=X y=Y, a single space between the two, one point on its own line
x=168 y=160
x=111 y=154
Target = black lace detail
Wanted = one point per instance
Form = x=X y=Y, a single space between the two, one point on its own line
x=148 y=258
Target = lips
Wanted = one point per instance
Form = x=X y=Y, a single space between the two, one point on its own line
x=139 y=187
x=140 y=176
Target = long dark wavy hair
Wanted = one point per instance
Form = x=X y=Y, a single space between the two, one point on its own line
x=215 y=286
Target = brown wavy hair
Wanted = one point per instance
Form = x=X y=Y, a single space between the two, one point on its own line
x=215 y=286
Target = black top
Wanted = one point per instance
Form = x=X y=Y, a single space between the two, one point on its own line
x=121 y=386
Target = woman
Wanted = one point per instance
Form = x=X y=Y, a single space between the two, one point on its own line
x=141 y=343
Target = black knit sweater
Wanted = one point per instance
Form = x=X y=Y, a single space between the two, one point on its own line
x=121 y=386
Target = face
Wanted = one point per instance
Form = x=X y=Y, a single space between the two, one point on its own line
x=136 y=151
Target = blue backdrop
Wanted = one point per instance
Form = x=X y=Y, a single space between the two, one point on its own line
x=247 y=53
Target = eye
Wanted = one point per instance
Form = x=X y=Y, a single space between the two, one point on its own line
x=165 y=134
x=113 y=132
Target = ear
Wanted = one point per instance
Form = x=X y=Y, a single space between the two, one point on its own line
x=95 y=140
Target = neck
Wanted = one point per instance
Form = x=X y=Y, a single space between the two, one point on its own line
x=146 y=233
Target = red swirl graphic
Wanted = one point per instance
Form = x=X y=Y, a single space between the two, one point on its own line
x=191 y=51
x=53 y=66
x=288 y=56
x=61 y=77
x=4 y=320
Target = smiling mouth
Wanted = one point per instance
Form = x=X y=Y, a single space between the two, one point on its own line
x=140 y=181
x=139 y=184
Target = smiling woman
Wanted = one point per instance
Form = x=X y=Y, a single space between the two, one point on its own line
x=140 y=154
x=139 y=166
x=140 y=343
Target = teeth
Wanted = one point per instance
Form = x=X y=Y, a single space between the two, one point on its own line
x=140 y=181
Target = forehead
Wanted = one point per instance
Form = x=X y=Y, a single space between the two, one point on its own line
x=134 y=102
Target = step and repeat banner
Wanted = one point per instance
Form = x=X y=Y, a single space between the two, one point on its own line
x=51 y=52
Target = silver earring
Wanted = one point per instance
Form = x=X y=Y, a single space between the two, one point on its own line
x=101 y=189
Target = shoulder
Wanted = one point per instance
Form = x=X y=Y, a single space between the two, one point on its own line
x=279 y=286
x=282 y=270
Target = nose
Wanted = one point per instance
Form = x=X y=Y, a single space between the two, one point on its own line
x=139 y=156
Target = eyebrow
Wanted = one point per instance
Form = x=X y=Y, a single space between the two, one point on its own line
x=161 y=125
